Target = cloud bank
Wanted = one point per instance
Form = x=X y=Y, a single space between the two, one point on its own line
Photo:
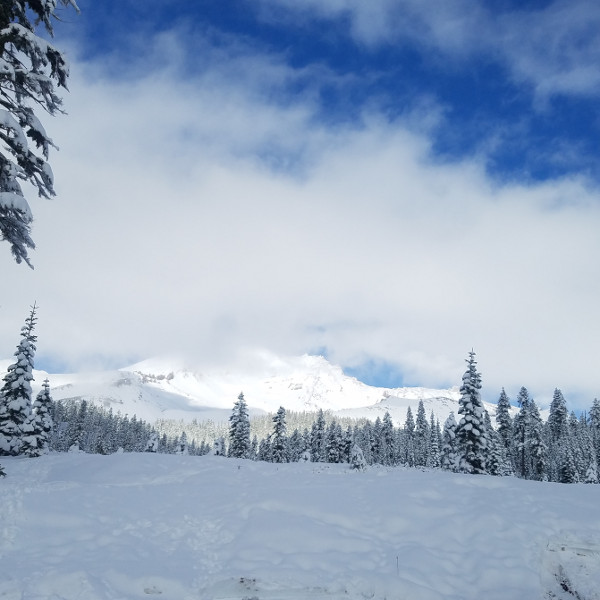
x=209 y=212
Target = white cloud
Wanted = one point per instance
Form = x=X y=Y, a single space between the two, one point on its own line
x=172 y=232
x=554 y=48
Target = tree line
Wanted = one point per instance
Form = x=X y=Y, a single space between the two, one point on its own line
x=565 y=448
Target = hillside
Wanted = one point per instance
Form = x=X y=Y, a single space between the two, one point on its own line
x=135 y=526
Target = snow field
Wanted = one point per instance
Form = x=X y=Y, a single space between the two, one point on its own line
x=127 y=526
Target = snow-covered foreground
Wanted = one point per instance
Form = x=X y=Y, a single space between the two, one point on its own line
x=132 y=526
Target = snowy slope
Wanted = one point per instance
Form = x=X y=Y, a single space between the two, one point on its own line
x=133 y=526
x=168 y=388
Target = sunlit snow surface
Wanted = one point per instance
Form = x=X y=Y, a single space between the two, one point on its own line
x=132 y=526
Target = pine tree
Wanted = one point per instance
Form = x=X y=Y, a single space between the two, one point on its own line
x=264 y=449
x=409 y=439
x=433 y=451
x=449 y=458
x=15 y=395
x=357 y=459
x=239 y=429
x=421 y=438
x=536 y=447
x=558 y=417
x=38 y=428
x=219 y=447
x=471 y=435
x=153 y=442
x=520 y=433
x=334 y=443
x=504 y=420
x=388 y=439
x=591 y=475
x=279 y=451
x=30 y=68
x=182 y=446
x=568 y=470
x=317 y=438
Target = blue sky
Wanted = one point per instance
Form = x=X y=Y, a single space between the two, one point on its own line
x=533 y=122
x=392 y=182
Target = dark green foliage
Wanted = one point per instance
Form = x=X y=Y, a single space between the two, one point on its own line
x=471 y=434
x=15 y=394
x=239 y=429
x=279 y=445
x=31 y=68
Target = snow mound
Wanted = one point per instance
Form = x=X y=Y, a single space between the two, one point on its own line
x=571 y=566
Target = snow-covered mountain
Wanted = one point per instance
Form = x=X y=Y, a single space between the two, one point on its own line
x=173 y=389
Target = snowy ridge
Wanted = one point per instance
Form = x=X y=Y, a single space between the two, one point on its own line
x=174 y=389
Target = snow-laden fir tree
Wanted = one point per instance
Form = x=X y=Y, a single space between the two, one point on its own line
x=537 y=451
x=38 y=427
x=317 y=438
x=449 y=456
x=219 y=447
x=471 y=434
x=409 y=439
x=504 y=420
x=520 y=433
x=433 y=451
x=31 y=69
x=334 y=443
x=182 y=446
x=279 y=452
x=153 y=442
x=388 y=440
x=357 y=458
x=239 y=429
x=558 y=418
x=15 y=395
x=421 y=437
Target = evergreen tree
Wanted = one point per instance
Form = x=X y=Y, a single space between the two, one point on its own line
x=558 y=417
x=295 y=446
x=595 y=427
x=264 y=449
x=471 y=435
x=433 y=451
x=219 y=447
x=239 y=429
x=449 y=457
x=388 y=439
x=591 y=475
x=317 y=438
x=153 y=442
x=357 y=459
x=30 y=69
x=334 y=443
x=421 y=437
x=409 y=439
x=536 y=447
x=38 y=429
x=279 y=452
x=15 y=395
x=520 y=433
x=504 y=420
x=568 y=470
x=182 y=447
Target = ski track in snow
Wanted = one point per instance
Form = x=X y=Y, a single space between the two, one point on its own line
x=130 y=526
